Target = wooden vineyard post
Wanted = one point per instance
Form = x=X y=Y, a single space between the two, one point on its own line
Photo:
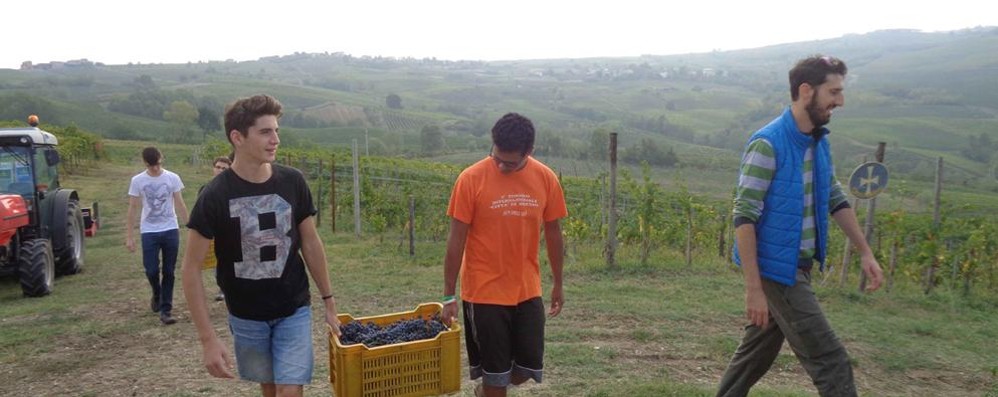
x=611 y=238
x=881 y=147
x=356 y=190
x=412 y=226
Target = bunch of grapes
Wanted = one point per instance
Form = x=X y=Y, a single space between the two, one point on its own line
x=371 y=334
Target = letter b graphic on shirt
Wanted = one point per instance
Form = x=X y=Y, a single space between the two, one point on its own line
x=264 y=223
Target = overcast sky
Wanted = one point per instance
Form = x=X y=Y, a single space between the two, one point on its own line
x=178 y=31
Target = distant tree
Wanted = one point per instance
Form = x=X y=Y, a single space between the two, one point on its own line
x=599 y=145
x=183 y=114
x=209 y=120
x=979 y=148
x=583 y=112
x=554 y=146
x=121 y=132
x=393 y=101
x=296 y=119
x=301 y=120
x=75 y=81
x=649 y=151
x=150 y=103
x=481 y=127
x=378 y=147
x=658 y=124
x=432 y=139
x=144 y=82
x=18 y=105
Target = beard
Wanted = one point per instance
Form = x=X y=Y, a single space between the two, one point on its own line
x=817 y=116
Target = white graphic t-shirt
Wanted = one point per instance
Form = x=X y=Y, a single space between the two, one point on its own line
x=156 y=192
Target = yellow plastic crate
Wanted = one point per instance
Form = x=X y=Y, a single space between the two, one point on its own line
x=209 y=260
x=420 y=368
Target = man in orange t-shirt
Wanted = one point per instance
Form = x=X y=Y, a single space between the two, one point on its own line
x=497 y=210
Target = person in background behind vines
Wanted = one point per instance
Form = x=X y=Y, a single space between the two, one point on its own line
x=786 y=192
x=220 y=164
x=498 y=207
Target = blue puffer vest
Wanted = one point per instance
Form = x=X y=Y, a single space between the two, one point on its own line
x=778 y=232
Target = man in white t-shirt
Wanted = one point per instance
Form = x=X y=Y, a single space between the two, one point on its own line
x=157 y=192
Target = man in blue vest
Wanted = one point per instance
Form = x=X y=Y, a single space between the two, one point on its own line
x=786 y=192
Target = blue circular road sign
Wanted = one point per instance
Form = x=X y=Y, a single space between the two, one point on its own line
x=868 y=180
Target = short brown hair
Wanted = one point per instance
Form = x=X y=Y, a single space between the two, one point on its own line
x=222 y=159
x=814 y=70
x=151 y=155
x=242 y=114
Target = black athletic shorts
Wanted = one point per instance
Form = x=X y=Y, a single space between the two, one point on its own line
x=505 y=341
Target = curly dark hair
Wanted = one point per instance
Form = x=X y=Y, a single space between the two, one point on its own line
x=222 y=159
x=513 y=132
x=242 y=114
x=814 y=70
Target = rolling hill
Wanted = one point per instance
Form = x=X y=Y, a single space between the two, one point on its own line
x=925 y=94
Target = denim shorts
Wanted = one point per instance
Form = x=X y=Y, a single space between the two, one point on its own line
x=276 y=351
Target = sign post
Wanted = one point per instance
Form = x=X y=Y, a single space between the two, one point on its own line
x=867 y=181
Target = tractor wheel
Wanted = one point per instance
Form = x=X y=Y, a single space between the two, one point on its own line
x=71 y=256
x=36 y=267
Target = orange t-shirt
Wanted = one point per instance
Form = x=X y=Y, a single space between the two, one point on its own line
x=506 y=213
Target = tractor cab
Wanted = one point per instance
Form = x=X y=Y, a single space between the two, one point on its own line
x=28 y=162
x=42 y=224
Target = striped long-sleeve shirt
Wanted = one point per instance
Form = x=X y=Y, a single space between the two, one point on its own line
x=756 y=174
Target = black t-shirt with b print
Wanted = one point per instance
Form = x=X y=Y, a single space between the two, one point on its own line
x=257 y=244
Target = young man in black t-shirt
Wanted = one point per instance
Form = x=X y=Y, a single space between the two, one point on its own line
x=260 y=215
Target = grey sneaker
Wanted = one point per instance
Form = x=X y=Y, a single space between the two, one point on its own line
x=166 y=318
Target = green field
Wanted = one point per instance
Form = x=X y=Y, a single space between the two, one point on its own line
x=659 y=329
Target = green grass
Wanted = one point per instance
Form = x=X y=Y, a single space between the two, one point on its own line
x=654 y=330
x=660 y=329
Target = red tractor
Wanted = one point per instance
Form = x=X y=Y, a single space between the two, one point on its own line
x=41 y=223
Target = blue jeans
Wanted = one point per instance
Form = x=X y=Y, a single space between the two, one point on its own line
x=167 y=242
x=277 y=351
